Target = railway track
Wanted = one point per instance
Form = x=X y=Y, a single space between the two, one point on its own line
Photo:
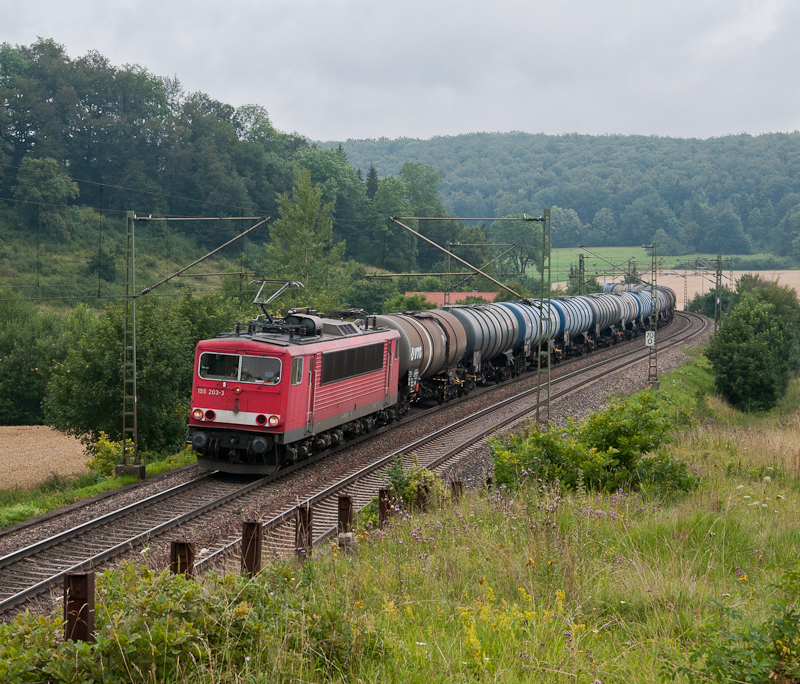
x=33 y=570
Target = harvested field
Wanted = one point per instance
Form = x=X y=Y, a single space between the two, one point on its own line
x=29 y=454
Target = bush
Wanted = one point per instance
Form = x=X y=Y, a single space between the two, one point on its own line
x=164 y=628
x=106 y=454
x=661 y=475
x=416 y=487
x=604 y=451
x=752 y=356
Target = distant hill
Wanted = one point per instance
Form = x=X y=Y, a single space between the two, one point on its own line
x=735 y=193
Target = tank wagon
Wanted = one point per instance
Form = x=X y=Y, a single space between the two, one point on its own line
x=275 y=392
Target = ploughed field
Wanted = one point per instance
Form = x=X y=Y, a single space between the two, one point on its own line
x=29 y=454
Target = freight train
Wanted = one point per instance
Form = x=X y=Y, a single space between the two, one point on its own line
x=274 y=392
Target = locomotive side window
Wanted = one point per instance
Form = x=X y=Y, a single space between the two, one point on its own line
x=219 y=366
x=261 y=369
x=348 y=363
x=297 y=370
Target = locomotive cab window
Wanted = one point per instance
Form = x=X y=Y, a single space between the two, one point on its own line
x=219 y=366
x=297 y=370
x=264 y=369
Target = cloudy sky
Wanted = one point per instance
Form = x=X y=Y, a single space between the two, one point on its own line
x=338 y=69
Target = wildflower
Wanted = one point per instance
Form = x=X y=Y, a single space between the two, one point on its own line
x=247 y=659
x=740 y=486
x=420 y=643
x=726 y=596
x=623 y=601
x=746 y=496
x=767 y=478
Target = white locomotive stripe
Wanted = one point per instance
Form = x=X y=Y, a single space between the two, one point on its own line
x=240 y=418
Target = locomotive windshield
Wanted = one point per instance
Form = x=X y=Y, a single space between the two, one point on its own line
x=219 y=367
x=232 y=367
x=261 y=369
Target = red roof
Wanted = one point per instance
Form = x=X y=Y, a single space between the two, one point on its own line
x=455 y=297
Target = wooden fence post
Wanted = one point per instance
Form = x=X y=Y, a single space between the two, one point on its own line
x=79 y=606
x=252 y=543
x=181 y=558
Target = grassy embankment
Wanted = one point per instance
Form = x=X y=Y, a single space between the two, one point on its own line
x=18 y=505
x=537 y=585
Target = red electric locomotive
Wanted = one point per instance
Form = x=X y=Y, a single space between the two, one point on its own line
x=277 y=392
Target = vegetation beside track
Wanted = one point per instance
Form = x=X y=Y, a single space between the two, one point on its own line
x=18 y=505
x=540 y=584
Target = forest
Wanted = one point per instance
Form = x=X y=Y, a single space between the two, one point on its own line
x=736 y=194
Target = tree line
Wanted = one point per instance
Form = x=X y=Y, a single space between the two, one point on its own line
x=737 y=194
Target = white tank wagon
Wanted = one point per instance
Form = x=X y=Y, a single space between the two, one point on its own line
x=576 y=319
x=492 y=341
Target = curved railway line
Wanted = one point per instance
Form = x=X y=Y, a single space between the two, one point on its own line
x=31 y=571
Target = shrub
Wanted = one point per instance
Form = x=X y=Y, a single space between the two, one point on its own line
x=106 y=454
x=661 y=475
x=752 y=356
x=416 y=487
x=604 y=451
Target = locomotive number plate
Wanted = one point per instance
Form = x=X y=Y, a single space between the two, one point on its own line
x=212 y=392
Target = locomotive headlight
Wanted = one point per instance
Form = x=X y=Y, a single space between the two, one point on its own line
x=274 y=421
x=197 y=414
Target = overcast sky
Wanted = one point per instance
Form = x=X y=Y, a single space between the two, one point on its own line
x=338 y=69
